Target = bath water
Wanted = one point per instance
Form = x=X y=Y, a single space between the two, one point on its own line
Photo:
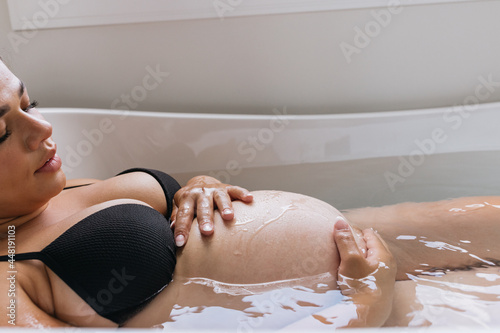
x=447 y=298
x=452 y=298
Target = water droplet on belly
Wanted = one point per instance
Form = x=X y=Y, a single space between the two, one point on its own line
x=406 y=237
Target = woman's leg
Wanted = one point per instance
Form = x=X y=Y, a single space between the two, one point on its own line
x=454 y=299
x=449 y=234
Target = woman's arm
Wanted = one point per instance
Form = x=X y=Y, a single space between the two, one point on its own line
x=366 y=279
x=21 y=311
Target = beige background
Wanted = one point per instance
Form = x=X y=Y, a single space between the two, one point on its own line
x=428 y=56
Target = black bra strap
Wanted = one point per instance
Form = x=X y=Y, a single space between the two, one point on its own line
x=75 y=186
x=22 y=256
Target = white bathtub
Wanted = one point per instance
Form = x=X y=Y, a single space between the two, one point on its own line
x=349 y=160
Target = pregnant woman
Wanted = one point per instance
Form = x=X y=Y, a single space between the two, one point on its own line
x=101 y=253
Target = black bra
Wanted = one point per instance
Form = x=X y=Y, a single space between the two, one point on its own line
x=116 y=259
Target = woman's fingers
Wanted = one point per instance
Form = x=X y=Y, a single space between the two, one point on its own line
x=205 y=214
x=378 y=251
x=240 y=193
x=201 y=195
x=225 y=196
x=173 y=216
x=352 y=259
x=223 y=202
x=345 y=240
x=183 y=221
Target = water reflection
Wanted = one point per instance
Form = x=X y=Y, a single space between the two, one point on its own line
x=454 y=281
x=245 y=308
x=454 y=299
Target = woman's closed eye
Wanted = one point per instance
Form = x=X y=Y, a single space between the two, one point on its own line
x=4 y=137
x=33 y=105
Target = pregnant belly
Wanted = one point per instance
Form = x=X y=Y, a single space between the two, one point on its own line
x=280 y=236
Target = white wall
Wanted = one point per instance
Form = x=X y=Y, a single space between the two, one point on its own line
x=428 y=56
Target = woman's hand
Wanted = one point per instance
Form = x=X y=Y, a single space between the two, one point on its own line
x=202 y=194
x=366 y=276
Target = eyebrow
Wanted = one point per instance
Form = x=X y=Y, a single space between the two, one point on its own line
x=22 y=87
x=6 y=108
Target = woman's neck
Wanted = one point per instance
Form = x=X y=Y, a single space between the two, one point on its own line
x=6 y=223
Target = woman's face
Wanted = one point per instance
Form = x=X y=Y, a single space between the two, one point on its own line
x=30 y=170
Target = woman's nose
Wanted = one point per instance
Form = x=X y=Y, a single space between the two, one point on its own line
x=39 y=130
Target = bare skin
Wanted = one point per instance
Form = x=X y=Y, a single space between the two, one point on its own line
x=284 y=237
x=467 y=229
x=433 y=224
x=206 y=256
x=32 y=202
x=40 y=290
x=457 y=239
x=45 y=300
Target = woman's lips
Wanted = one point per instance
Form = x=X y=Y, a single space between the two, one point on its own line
x=52 y=165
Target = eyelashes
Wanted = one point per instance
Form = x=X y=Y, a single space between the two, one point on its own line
x=4 y=137
x=34 y=104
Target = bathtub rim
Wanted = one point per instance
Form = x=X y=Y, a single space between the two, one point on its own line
x=231 y=116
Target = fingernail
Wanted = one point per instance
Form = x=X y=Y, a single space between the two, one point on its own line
x=227 y=211
x=180 y=240
x=206 y=227
x=340 y=223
